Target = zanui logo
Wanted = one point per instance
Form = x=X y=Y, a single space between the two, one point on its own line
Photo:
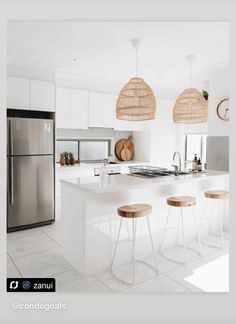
x=14 y=285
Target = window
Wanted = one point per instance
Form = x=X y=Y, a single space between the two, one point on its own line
x=195 y=144
x=84 y=149
x=66 y=146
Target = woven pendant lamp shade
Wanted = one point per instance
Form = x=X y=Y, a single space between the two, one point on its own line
x=190 y=107
x=136 y=101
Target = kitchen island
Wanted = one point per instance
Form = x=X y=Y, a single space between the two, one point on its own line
x=90 y=223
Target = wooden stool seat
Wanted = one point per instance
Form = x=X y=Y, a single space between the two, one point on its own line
x=135 y=210
x=217 y=194
x=181 y=201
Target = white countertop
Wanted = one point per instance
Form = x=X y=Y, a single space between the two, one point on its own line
x=83 y=165
x=117 y=183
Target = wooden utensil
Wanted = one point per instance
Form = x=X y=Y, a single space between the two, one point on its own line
x=119 y=147
x=126 y=154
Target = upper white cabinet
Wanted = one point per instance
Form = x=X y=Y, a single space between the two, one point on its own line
x=78 y=111
x=42 y=95
x=101 y=110
x=30 y=94
x=18 y=93
x=71 y=108
x=62 y=107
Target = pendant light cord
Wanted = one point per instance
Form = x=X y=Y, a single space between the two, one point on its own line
x=191 y=73
x=137 y=57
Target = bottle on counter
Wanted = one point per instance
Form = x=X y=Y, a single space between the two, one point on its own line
x=194 y=163
x=104 y=172
x=199 y=165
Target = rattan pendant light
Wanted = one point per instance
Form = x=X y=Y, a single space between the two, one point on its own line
x=136 y=101
x=190 y=107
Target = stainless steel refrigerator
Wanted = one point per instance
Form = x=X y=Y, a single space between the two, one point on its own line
x=30 y=166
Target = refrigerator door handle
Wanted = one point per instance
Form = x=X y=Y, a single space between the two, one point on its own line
x=10 y=137
x=11 y=182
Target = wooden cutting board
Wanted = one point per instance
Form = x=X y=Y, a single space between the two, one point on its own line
x=124 y=149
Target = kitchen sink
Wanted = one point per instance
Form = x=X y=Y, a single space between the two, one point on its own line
x=176 y=173
x=146 y=171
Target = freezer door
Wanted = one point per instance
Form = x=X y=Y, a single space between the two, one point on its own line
x=30 y=190
x=28 y=136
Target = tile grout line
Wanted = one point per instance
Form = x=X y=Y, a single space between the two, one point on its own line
x=177 y=282
x=26 y=255
x=103 y=283
x=15 y=266
x=161 y=275
x=48 y=236
x=91 y=276
x=121 y=290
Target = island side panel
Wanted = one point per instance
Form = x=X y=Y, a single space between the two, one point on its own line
x=73 y=213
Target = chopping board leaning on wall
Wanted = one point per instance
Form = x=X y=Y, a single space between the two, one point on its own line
x=124 y=149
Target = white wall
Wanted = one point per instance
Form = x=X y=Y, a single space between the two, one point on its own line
x=195 y=128
x=142 y=146
x=164 y=137
x=218 y=90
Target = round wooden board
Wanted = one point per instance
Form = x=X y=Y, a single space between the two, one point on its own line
x=124 y=143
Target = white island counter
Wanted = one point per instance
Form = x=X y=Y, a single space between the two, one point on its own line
x=90 y=223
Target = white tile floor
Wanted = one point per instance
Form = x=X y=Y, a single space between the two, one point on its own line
x=37 y=253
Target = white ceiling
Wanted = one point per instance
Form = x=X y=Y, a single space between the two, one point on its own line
x=104 y=52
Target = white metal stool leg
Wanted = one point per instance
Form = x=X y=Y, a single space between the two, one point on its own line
x=134 y=260
x=177 y=236
x=118 y=235
x=221 y=223
x=203 y=218
x=197 y=231
x=153 y=251
x=127 y=226
x=182 y=221
x=134 y=239
x=164 y=232
x=219 y=214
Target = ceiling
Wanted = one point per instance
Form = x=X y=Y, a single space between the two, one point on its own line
x=103 y=50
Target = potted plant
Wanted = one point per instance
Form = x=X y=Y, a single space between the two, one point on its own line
x=62 y=159
x=67 y=160
x=205 y=94
x=71 y=157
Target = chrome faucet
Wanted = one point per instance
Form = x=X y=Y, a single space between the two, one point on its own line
x=177 y=167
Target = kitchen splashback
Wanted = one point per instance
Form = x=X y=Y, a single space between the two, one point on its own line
x=68 y=139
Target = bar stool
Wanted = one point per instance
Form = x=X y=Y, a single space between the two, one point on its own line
x=181 y=202
x=133 y=212
x=217 y=196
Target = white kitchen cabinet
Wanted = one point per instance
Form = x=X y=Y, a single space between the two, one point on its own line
x=42 y=95
x=78 y=109
x=18 y=93
x=101 y=110
x=62 y=107
x=71 y=108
